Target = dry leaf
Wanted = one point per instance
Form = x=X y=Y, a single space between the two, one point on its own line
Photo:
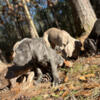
x=65 y=93
x=61 y=87
x=66 y=79
x=68 y=63
x=98 y=98
x=71 y=87
x=89 y=75
x=91 y=85
x=82 y=78
x=84 y=93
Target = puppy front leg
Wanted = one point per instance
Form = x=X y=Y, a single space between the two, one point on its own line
x=40 y=74
x=55 y=75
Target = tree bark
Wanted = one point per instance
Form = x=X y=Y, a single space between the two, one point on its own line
x=84 y=15
x=33 y=30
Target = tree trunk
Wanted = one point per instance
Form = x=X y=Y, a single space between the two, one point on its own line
x=84 y=15
x=33 y=30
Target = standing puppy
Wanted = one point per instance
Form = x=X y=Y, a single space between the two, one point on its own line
x=61 y=38
x=36 y=51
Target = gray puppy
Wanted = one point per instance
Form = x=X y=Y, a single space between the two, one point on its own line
x=35 y=49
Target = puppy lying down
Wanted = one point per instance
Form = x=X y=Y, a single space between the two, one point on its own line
x=35 y=50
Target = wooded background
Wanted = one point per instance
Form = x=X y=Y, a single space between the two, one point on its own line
x=30 y=18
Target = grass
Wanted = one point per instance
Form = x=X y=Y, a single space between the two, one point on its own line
x=82 y=70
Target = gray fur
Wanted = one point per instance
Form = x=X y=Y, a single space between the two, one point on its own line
x=36 y=50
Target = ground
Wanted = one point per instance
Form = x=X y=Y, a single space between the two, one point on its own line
x=81 y=82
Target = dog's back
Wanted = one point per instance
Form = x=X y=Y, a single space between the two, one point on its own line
x=56 y=36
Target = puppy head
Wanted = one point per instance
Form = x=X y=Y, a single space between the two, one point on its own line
x=22 y=54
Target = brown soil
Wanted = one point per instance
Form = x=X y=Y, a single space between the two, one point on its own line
x=80 y=81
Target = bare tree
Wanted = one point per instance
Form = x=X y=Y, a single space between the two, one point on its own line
x=33 y=30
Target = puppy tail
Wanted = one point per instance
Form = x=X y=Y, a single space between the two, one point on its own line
x=46 y=39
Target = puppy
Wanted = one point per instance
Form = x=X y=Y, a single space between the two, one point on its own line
x=35 y=50
x=61 y=38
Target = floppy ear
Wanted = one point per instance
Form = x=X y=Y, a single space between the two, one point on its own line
x=14 y=48
x=69 y=49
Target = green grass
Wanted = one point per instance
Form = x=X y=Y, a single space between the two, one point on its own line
x=37 y=98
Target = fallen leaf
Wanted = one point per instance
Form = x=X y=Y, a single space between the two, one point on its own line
x=84 y=93
x=68 y=63
x=66 y=79
x=82 y=78
x=71 y=87
x=98 y=98
x=61 y=87
x=91 y=85
x=89 y=75
x=65 y=93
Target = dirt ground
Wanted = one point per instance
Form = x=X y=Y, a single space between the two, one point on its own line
x=81 y=82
